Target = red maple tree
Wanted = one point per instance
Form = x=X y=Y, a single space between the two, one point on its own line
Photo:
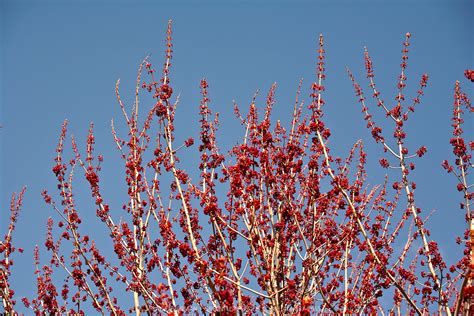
x=276 y=225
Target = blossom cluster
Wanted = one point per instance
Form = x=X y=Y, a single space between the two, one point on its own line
x=278 y=224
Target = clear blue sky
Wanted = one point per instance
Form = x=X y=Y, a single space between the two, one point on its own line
x=61 y=60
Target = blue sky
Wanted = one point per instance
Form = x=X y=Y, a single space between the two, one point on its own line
x=61 y=60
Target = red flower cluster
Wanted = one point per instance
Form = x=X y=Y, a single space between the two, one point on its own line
x=277 y=225
x=469 y=74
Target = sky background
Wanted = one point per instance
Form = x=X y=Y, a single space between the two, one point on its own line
x=61 y=60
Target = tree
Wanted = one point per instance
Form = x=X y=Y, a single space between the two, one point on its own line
x=277 y=225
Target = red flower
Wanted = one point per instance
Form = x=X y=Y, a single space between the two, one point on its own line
x=469 y=74
x=421 y=151
x=166 y=92
x=384 y=163
x=189 y=142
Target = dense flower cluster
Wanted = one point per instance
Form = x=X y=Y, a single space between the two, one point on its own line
x=277 y=225
x=462 y=150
